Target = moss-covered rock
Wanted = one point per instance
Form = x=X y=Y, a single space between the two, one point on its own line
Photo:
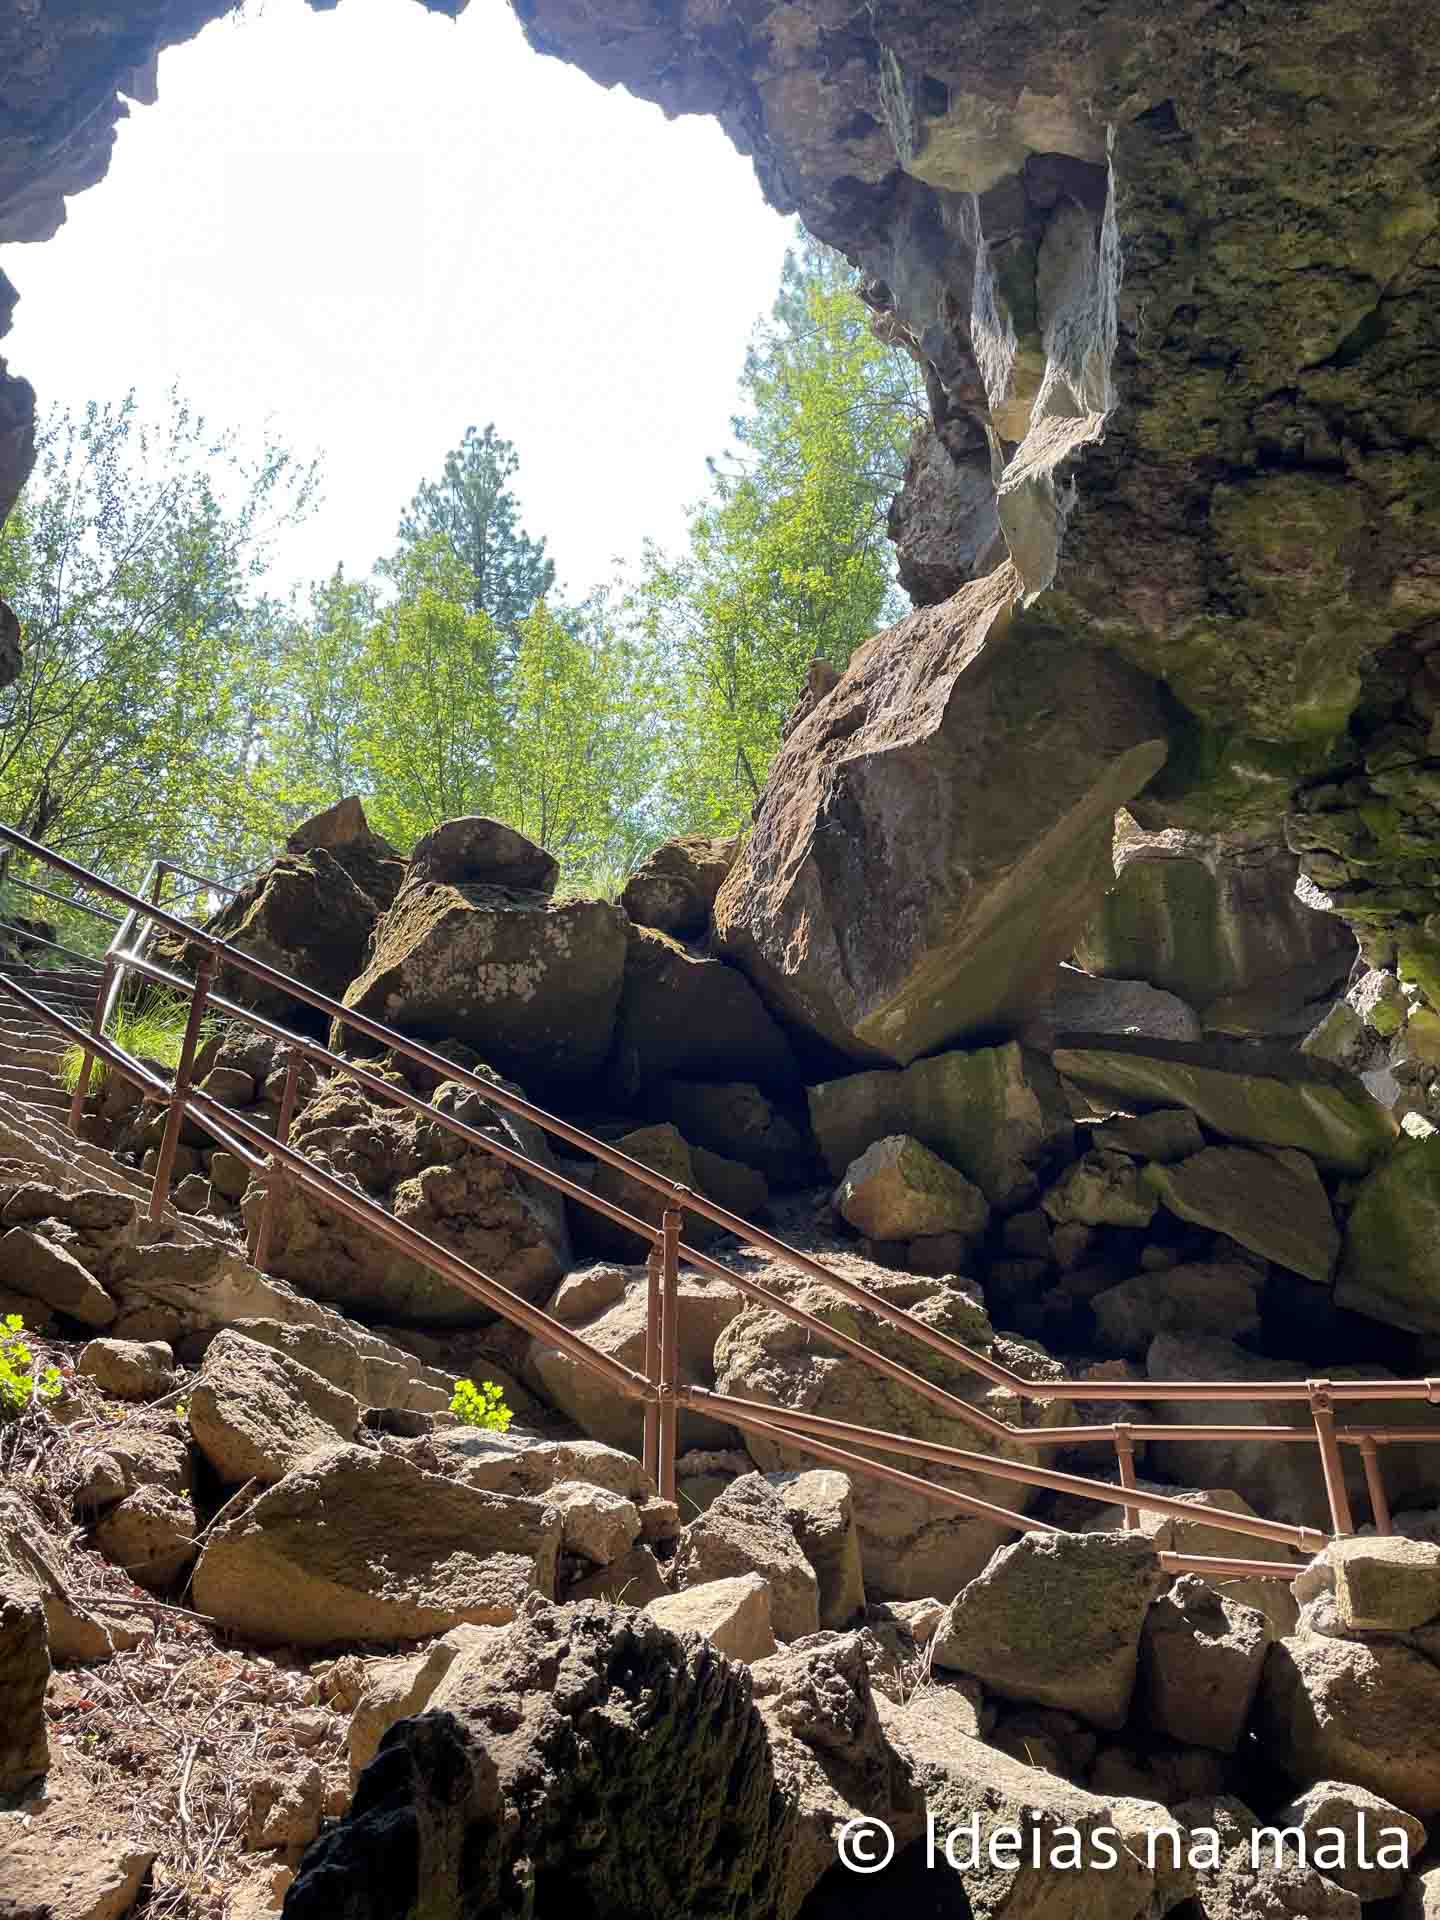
x=1390 y=1265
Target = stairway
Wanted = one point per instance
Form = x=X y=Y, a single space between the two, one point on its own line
x=34 y=1107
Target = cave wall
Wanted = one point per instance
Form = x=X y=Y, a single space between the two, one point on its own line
x=1253 y=517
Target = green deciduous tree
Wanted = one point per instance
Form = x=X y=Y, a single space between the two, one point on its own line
x=787 y=558
x=133 y=563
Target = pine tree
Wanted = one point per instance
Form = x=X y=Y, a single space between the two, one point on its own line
x=473 y=511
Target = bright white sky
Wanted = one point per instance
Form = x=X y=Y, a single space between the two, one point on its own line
x=374 y=226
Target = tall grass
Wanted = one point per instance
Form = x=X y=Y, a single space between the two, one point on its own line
x=151 y=1027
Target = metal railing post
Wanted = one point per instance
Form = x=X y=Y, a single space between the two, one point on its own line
x=650 y=1451
x=87 y=1058
x=669 y=1406
x=1375 y=1484
x=170 y=1140
x=1125 y=1461
x=1332 y=1466
x=273 y=1184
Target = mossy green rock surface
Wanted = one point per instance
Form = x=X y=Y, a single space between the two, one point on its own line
x=1267 y=1096
x=1271 y=1202
x=1390 y=1268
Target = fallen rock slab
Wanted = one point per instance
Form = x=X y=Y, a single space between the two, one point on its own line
x=687 y=1016
x=968 y=1785
x=821 y=1507
x=747 y=1530
x=706 y=1308
x=1267 y=1096
x=1089 y=1003
x=1345 y=1828
x=1056 y=1619
x=531 y=983
x=24 y=1676
x=1249 y=1877
x=1201 y=1657
x=1208 y=1297
x=1349 y=1710
x=890 y=959
x=909 y=1542
x=675 y=885
x=1385 y=1585
x=1272 y=1202
x=37 y=1267
x=1101 y=1190
x=733 y=1615
x=56 y=1872
x=996 y=1113
x=255 y=1413
x=353 y=1545
x=899 y=1190
x=129 y=1369
x=1390 y=1265
x=394 y=1689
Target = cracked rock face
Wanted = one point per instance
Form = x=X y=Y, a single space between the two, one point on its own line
x=1251 y=528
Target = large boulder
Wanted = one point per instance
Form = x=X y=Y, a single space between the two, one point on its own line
x=508 y=1224
x=255 y=1413
x=1243 y=1874
x=1271 y=1202
x=532 y=983
x=1390 y=1264
x=733 y=1614
x=685 y=1016
x=586 y=1734
x=474 y=850
x=616 y=1325
x=996 y=1113
x=354 y=1545
x=24 y=1672
x=1055 y=1618
x=1086 y=1003
x=899 y=1190
x=1336 y=1816
x=40 y=1269
x=736 y=1119
x=1266 y=1096
x=909 y=1544
x=1333 y=1709
x=311 y=913
x=1201 y=1657
x=869 y=908
x=748 y=1530
x=970 y=1787
x=1215 y=918
x=1209 y=1297
x=820 y=1505
x=674 y=887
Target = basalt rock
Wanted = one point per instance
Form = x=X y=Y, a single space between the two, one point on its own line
x=311 y=913
x=875 y=913
x=1267 y=1096
x=1217 y=920
x=530 y=982
x=909 y=1544
x=587 y=1725
x=674 y=887
x=683 y=1016
x=509 y=1225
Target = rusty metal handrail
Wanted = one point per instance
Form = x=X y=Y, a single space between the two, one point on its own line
x=659 y=1387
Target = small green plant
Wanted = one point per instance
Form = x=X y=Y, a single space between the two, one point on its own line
x=20 y=1385
x=151 y=1028
x=482 y=1406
